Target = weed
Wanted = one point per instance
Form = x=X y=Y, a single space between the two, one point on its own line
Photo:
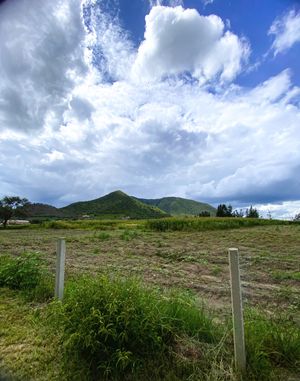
x=102 y=236
x=115 y=327
x=216 y=270
x=27 y=273
x=271 y=343
x=286 y=275
x=22 y=272
x=128 y=235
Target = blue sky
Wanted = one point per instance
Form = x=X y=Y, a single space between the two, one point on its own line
x=190 y=98
x=251 y=19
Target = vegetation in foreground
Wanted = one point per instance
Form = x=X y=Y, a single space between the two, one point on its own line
x=111 y=328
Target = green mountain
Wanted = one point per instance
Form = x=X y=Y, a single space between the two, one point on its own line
x=38 y=210
x=177 y=206
x=119 y=205
x=116 y=204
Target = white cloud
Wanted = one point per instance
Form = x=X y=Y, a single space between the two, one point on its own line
x=207 y=2
x=41 y=60
x=180 y=40
x=150 y=139
x=286 y=31
x=169 y=3
x=113 y=52
x=286 y=210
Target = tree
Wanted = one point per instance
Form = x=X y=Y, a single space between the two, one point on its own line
x=224 y=211
x=238 y=213
x=252 y=213
x=11 y=206
x=297 y=217
x=204 y=213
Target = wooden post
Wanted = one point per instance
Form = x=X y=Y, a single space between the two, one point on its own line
x=237 y=310
x=60 y=268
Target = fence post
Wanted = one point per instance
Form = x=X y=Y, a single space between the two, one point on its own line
x=237 y=310
x=60 y=268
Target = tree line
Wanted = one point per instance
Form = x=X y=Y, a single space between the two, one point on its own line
x=224 y=210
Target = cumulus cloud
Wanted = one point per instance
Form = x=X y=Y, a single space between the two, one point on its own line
x=41 y=60
x=98 y=130
x=179 y=40
x=286 y=31
x=286 y=210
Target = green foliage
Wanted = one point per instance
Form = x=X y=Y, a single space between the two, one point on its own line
x=117 y=204
x=297 y=217
x=22 y=272
x=286 y=275
x=204 y=214
x=81 y=224
x=102 y=236
x=271 y=343
x=252 y=213
x=27 y=273
x=128 y=235
x=177 y=206
x=238 y=213
x=113 y=327
x=203 y=224
x=11 y=206
x=224 y=211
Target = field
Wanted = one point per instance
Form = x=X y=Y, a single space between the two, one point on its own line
x=193 y=261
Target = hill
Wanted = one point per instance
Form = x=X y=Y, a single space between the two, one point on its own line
x=38 y=210
x=114 y=205
x=177 y=206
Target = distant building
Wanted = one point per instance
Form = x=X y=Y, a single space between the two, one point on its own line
x=18 y=222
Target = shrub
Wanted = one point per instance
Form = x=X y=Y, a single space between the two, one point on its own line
x=128 y=235
x=115 y=327
x=27 y=273
x=102 y=236
x=22 y=272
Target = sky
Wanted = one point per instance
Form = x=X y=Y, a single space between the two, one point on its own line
x=189 y=98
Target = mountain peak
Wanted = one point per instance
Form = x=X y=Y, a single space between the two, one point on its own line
x=117 y=193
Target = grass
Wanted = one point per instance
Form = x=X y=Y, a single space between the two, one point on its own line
x=194 y=343
x=204 y=224
x=115 y=327
x=286 y=275
x=26 y=273
x=271 y=342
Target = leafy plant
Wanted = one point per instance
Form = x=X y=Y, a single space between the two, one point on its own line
x=22 y=272
x=27 y=273
x=271 y=342
x=128 y=235
x=102 y=236
x=117 y=326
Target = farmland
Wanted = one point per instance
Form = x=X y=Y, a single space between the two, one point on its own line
x=191 y=261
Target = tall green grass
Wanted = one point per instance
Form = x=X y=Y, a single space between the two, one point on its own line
x=119 y=329
x=203 y=224
x=115 y=327
x=27 y=273
x=271 y=343
x=91 y=224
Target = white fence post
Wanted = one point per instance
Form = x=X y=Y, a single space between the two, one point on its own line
x=60 y=268
x=237 y=310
